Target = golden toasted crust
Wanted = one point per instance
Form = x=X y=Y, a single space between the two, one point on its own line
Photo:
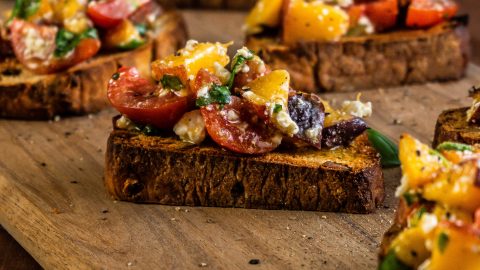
x=452 y=126
x=165 y=170
x=354 y=63
x=81 y=89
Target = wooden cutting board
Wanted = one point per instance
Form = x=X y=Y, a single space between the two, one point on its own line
x=53 y=202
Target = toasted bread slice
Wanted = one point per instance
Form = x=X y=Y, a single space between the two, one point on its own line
x=82 y=88
x=165 y=170
x=381 y=60
x=452 y=125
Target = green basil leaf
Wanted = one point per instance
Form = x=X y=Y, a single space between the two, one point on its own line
x=171 y=82
x=142 y=29
x=410 y=198
x=133 y=44
x=387 y=149
x=237 y=63
x=278 y=108
x=24 y=9
x=443 y=240
x=357 y=30
x=67 y=41
x=445 y=146
x=391 y=262
x=417 y=216
x=218 y=94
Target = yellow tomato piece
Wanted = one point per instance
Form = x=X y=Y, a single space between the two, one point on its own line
x=452 y=214
x=271 y=88
x=194 y=57
x=457 y=187
x=313 y=21
x=409 y=247
x=271 y=91
x=65 y=9
x=419 y=165
x=455 y=248
x=122 y=34
x=45 y=10
x=265 y=12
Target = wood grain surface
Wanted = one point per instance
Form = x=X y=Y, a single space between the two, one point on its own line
x=39 y=160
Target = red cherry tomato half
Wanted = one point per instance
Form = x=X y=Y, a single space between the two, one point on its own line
x=427 y=13
x=383 y=14
x=145 y=102
x=109 y=13
x=34 y=46
x=204 y=77
x=355 y=12
x=235 y=128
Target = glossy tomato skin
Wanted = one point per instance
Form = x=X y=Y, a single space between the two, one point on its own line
x=383 y=14
x=109 y=13
x=138 y=99
x=427 y=13
x=233 y=127
x=41 y=59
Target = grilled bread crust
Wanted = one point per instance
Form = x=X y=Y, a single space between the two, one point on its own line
x=164 y=170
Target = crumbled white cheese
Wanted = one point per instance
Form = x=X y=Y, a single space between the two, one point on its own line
x=285 y=123
x=261 y=67
x=245 y=52
x=221 y=72
x=425 y=265
x=403 y=186
x=245 y=68
x=357 y=108
x=232 y=116
x=36 y=46
x=191 y=127
x=190 y=45
x=428 y=222
x=312 y=134
x=203 y=92
x=125 y=123
x=367 y=24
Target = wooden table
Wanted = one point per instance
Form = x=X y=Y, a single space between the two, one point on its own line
x=300 y=237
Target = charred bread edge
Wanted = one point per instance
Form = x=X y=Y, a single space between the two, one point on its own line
x=397 y=227
x=166 y=171
x=452 y=126
x=402 y=57
x=81 y=89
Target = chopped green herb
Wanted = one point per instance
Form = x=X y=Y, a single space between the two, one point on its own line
x=417 y=216
x=387 y=149
x=410 y=198
x=440 y=157
x=443 y=240
x=357 y=30
x=278 y=108
x=133 y=44
x=171 y=82
x=391 y=262
x=116 y=76
x=23 y=9
x=454 y=146
x=218 y=94
x=67 y=41
x=237 y=64
x=142 y=29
